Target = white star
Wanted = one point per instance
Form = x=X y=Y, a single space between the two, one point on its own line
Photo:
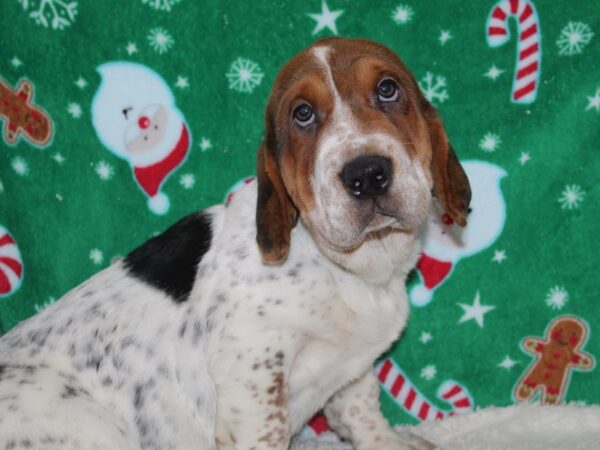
x=205 y=144
x=475 y=311
x=493 y=73
x=445 y=36
x=16 y=62
x=182 y=82
x=425 y=337
x=58 y=158
x=594 y=102
x=326 y=19
x=499 y=256
x=507 y=363
x=524 y=158
x=80 y=83
x=131 y=48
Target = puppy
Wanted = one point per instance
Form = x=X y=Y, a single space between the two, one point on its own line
x=233 y=327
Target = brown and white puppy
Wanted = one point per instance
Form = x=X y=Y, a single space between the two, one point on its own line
x=233 y=327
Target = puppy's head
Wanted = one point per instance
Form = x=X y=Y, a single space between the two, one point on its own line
x=353 y=147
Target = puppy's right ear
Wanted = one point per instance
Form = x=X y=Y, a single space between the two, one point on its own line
x=276 y=215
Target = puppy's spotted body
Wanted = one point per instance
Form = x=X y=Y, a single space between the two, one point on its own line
x=231 y=329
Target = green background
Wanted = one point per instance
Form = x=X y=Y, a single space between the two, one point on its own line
x=59 y=212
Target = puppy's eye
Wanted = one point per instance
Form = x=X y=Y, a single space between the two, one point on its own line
x=304 y=115
x=387 y=90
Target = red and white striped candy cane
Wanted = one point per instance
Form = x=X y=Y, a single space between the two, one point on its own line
x=11 y=265
x=395 y=382
x=529 y=49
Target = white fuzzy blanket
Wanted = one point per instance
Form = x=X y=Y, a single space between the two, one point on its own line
x=529 y=427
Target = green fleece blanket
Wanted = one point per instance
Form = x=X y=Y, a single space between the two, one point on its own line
x=504 y=311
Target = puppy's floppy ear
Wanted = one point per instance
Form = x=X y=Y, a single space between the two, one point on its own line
x=276 y=215
x=450 y=183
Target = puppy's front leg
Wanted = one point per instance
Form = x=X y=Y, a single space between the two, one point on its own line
x=252 y=408
x=354 y=414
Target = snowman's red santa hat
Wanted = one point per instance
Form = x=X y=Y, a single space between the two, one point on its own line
x=433 y=272
x=151 y=177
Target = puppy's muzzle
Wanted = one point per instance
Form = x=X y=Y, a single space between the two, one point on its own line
x=367 y=177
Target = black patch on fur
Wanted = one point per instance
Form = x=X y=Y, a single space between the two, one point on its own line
x=169 y=260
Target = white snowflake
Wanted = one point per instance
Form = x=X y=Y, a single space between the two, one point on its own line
x=402 y=14
x=39 y=307
x=187 y=180
x=507 y=363
x=244 y=75
x=557 y=297
x=58 y=158
x=81 y=83
x=571 y=197
x=75 y=110
x=20 y=166
x=524 y=158
x=573 y=38
x=59 y=197
x=445 y=36
x=490 y=142
x=96 y=256
x=104 y=170
x=161 y=5
x=434 y=87
x=425 y=337
x=494 y=72
x=205 y=144
x=182 y=82
x=1 y=187
x=59 y=14
x=428 y=372
x=16 y=62
x=131 y=48
x=594 y=101
x=160 y=40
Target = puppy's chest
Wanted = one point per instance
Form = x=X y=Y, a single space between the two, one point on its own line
x=356 y=336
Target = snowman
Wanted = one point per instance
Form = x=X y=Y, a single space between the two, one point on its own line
x=445 y=243
x=135 y=117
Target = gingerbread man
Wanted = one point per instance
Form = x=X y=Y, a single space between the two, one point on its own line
x=555 y=357
x=21 y=116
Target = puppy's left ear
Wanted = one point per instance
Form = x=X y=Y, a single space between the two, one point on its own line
x=450 y=183
x=276 y=215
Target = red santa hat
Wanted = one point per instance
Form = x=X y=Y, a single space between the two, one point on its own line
x=433 y=273
x=151 y=177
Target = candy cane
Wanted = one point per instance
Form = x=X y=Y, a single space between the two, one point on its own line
x=395 y=382
x=11 y=265
x=529 y=51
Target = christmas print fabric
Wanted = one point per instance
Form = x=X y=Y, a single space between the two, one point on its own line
x=119 y=118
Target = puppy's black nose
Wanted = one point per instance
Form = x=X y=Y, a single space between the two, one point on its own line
x=367 y=176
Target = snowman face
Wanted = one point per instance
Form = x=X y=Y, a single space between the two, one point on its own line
x=441 y=229
x=146 y=130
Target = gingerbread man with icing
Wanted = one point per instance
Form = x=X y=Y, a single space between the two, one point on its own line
x=21 y=116
x=555 y=357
